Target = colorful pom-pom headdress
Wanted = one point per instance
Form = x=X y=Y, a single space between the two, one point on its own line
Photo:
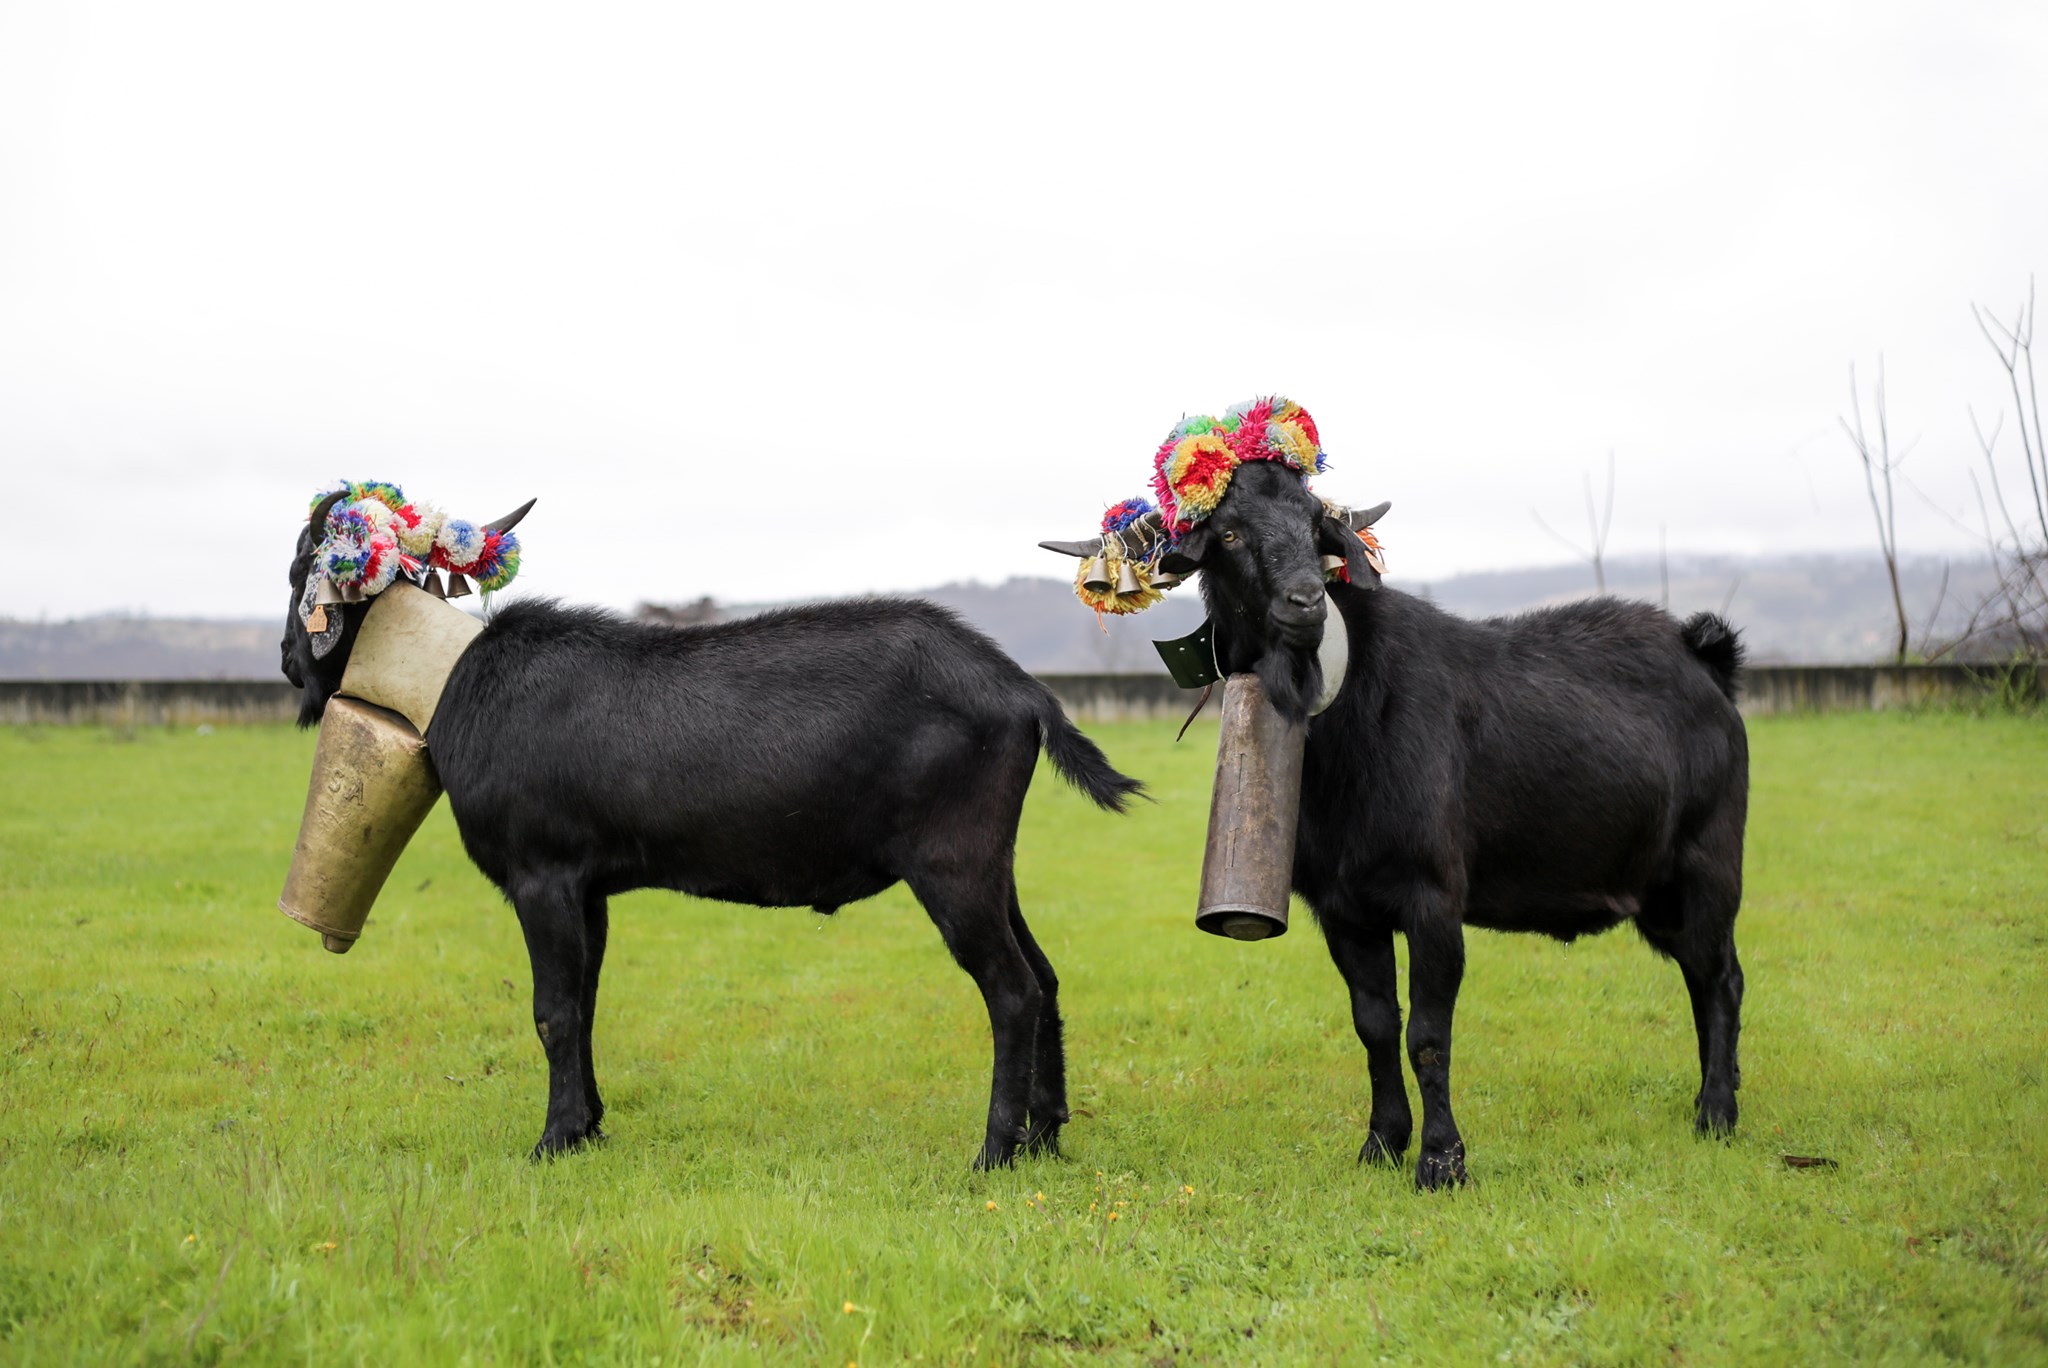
x=1121 y=571
x=367 y=534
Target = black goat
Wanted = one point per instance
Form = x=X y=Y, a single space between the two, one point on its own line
x=1562 y=771
x=812 y=756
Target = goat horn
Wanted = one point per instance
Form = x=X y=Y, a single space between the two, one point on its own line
x=1366 y=517
x=510 y=520
x=1136 y=539
x=1082 y=549
x=318 y=517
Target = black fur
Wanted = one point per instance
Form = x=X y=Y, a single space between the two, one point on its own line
x=809 y=757
x=1561 y=772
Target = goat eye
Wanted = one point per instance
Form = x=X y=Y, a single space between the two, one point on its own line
x=1230 y=538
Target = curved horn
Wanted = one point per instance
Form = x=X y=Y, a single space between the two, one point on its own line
x=1366 y=517
x=1083 y=549
x=318 y=517
x=1136 y=539
x=1357 y=518
x=510 y=520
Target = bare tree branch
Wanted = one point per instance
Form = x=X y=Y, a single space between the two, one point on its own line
x=1596 y=527
x=1879 y=465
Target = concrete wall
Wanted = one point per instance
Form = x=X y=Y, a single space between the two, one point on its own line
x=146 y=702
x=1767 y=690
x=1773 y=689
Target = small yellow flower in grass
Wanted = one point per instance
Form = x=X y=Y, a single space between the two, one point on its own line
x=327 y=1245
x=1091 y=1206
x=1188 y=1190
x=1041 y=1198
x=991 y=1204
x=849 y=1308
x=1115 y=1215
x=191 y=1239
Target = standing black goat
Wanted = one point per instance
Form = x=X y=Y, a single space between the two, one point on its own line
x=1562 y=771
x=812 y=756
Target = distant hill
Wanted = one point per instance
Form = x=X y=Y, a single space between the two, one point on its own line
x=1816 y=609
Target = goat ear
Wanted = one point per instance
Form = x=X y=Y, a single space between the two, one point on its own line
x=1335 y=538
x=1189 y=552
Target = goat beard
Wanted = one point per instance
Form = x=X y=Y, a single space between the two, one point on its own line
x=1293 y=679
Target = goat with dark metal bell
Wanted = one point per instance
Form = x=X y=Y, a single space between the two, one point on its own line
x=807 y=757
x=1561 y=771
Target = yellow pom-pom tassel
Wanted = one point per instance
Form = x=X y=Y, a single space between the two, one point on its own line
x=1130 y=588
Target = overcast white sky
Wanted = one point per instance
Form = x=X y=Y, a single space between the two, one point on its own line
x=765 y=301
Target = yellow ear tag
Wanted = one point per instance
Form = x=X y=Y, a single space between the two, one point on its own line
x=316 y=621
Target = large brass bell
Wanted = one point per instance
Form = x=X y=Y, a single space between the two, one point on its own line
x=373 y=783
x=372 y=787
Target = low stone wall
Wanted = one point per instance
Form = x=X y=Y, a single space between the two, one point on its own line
x=1772 y=689
x=145 y=702
x=1767 y=690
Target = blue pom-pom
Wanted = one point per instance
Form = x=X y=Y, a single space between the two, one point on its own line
x=1122 y=515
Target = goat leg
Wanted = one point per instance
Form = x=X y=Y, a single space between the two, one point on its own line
x=1436 y=966
x=596 y=929
x=1048 y=1105
x=1365 y=957
x=552 y=918
x=973 y=917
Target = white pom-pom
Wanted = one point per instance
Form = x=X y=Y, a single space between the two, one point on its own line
x=460 y=542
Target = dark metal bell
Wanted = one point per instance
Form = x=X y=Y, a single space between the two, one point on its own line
x=1248 y=863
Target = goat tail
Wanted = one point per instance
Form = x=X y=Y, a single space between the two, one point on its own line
x=1080 y=761
x=1717 y=646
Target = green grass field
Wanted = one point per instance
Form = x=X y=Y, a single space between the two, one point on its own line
x=219 y=1142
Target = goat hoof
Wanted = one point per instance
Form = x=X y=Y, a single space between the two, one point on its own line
x=556 y=1143
x=1381 y=1149
x=1439 y=1169
x=1044 y=1141
x=1715 y=1119
x=995 y=1156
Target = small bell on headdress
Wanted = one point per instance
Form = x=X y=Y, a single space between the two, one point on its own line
x=458 y=587
x=1126 y=579
x=432 y=583
x=352 y=593
x=1163 y=578
x=1096 y=577
x=326 y=593
x=1332 y=565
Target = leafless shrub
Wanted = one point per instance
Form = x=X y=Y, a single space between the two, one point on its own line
x=2010 y=622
